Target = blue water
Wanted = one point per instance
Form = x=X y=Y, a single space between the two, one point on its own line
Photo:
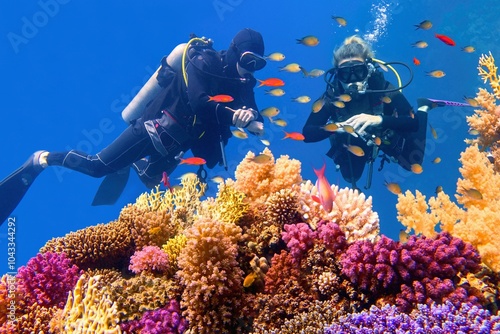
x=68 y=69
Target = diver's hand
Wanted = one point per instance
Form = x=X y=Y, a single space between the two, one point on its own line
x=256 y=128
x=362 y=121
x=243 y=116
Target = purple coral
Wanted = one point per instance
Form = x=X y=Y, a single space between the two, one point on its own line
x=421 y=269
x=166 y=320
x=332 y=236
x=151 y=259
x=47 y=279
x=299 y=239
x=438 y=319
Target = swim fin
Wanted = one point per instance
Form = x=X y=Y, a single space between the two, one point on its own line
x=111 y=187
x=14 y=187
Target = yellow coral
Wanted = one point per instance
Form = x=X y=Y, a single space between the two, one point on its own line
x=229 y=205
x=89 y=312
x=173 y=248
x=488 y=71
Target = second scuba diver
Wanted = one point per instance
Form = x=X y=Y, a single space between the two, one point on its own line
x=362 y=113
x=185 y=115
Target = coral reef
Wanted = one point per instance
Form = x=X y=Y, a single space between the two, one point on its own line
x=149 y=259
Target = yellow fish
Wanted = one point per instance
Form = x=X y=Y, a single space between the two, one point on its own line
x=433 y=132
x=403 y=236
x=331 y=127
x=187 y=176
x=239 y=133
x=393 y=187
x=308 y=40
x=420 y=44
x=436 y=74
x=314 y=73
x=155 y=230
x=339 y=104
x=280 y=122
x=469 y=49
x=276 y=92
x=472 y=193
x=292 y=68
x=439 y=189
x=276 y=56
x=302 y=99
x=217 y=179
x=318 y=105
x=340 y=20
x=249 y=279
x=436 y=160
x=344 y=97
x=386 y=99
x=472 y=101
x=426 y=25
x=261 y=158
x=265 y=142
x=356 y=150
x=270 y=112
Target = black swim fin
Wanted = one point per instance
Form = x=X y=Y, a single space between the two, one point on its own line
x=14 y=187
x=111 y=187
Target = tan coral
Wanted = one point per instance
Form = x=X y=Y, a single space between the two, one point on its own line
x=228 y=206
x=89 y=310
x=102 y=245
x=36 y=319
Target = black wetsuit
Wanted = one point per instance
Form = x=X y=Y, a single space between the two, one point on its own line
x=200 y=124
x=396 y=130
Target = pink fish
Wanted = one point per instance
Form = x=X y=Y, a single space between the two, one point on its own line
x=166 y=181
x=325 y=192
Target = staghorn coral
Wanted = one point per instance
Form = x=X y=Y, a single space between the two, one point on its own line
x=229 y=205
x=445 y=318
x=100 y=246
x=259 y=180
x=89 y=311
x=150 y=259
x=135 y=295
x=488 y=72
x=161 y=321
x=211 y=277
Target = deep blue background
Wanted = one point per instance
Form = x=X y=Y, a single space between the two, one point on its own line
x=69 y=67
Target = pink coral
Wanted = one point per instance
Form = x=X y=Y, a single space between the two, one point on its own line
x=150 y=259
x=47 y=279
x=299 y=239
x=332 y=237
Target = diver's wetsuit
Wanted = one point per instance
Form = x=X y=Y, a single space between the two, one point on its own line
x=397 y=119
x=209 y=75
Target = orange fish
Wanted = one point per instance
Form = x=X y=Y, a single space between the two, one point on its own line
x=417 y=168
x=445 y=39
x=416 y=61
x=356 y=150
x=308 y=41
x=193 y=161
x=326 y=194
x=293 y=135
x=221 y=98
x=393 y=187
x=271 y=82
x=250 y=279
x=433 y=132
x=436 y=74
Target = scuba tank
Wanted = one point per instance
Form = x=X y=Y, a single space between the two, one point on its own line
x=152 y=87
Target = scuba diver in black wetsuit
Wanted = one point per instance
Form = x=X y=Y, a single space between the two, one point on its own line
x=183 y=115
x=369 y=113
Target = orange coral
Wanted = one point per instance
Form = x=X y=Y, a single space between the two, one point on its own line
x=258 y=180
x=211 y=277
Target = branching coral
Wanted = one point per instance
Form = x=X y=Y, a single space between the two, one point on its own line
x=229 y=205
x=88 y=311
x=173 y=248
x=46 y=279
x=445 y=318
x=150 y=259
x=100 y=246
x=211 y=277
x=258 y=180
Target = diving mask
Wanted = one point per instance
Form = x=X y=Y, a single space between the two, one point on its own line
x=251 y=61
x=352 y=71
